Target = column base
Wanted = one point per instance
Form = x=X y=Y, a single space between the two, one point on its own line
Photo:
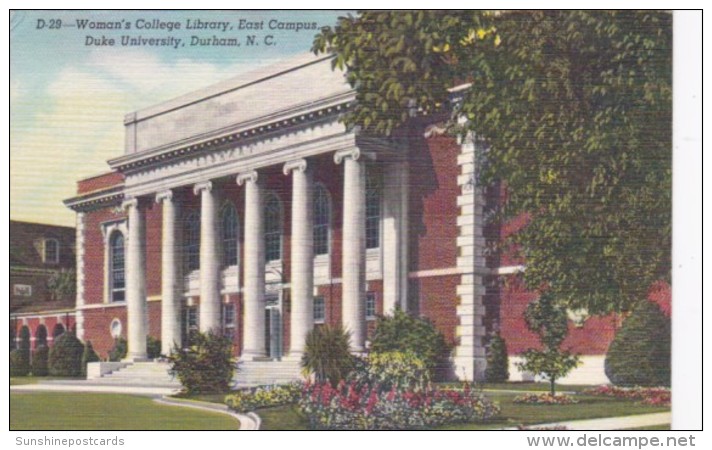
x=253 y=355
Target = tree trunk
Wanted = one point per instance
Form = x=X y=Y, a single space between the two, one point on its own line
x=553 y=386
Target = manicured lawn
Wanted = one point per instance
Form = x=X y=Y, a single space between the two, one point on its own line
x=16 y=381
x=589 y=407
x=83 y=411
x=651 y=428
x=282 y=418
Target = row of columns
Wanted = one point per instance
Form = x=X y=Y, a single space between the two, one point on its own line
x=302 y=252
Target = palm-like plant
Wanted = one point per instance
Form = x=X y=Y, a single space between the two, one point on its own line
x=326 y=355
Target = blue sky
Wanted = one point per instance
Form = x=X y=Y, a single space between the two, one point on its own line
x=68 y=100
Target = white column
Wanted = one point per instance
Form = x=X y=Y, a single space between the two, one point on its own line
x=209 y=261
x=353 y=267
x=254 y=262
x=395 y=237
x=80 y=275
x=170 y=298
x=136 y=282
x=302 y=256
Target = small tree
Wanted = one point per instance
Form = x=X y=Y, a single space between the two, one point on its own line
x=497 y=370
x=207 y=366
x=89 y=355
x=640 y=353
x=550 y=322
x=40 y=361
x=402 y=332
x=327 y=355
x=62 y=284
x=119 y=350
x=65 y=356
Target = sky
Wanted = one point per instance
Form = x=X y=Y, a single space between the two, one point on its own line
x=68 y=96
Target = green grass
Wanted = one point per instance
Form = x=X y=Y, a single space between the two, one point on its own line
x=83 y=411
x=282 y=418
x=17 y=381
x=651 y=428
x=589 y=407
x=210 y=398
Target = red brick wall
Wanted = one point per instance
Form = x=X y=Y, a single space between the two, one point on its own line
x=68 y=321
x=99 y=182
x=438 y=302
x=97 y=328
x=94 y=253
x=433 y=203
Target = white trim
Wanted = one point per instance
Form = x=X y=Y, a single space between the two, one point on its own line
x=107 y=230
x=435 y=272
x=508 y=270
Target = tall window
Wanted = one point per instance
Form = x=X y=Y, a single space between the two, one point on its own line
x=373 y=211
x=319 y=309
x=229 y=235
x=228 y=316
x=273 y=228
x=117 y=273
x=51 y=251
x=370 y=305
x=322 y=217
x=191 y=242
x=191 y=324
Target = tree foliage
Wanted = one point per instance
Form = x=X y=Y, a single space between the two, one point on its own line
x=574 y=112
x=62 y=284
x=206 y=366
x=497 y=370
x=549 y=321
x=65 y=356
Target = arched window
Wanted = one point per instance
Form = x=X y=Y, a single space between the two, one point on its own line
x=373 y=211
x=322 y=219
x=117 y=269
x=191 y=242
x=41 y=336
x=273 y=228
x=58 y=330
x=229 y=226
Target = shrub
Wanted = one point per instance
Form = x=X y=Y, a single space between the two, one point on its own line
x=264 y=397
x=206 y=366
x=640 y=352
x=497 y=370
x=654 y=396
x=153 y=347
x=19 y=363
x=548 y=320
x=89 y=355
x=404 y=333
x=545 y=399
x=386 y=371
x=326 y=354
x=65 y=356
x=119 y=350
x=349 y=407
x=40 y=361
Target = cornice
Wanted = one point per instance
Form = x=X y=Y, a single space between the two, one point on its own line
x=237 y=134
x=112 y=196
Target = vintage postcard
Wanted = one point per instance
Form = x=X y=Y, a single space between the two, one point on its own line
x=342 y=220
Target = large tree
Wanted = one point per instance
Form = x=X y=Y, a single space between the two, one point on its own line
x=575 y=110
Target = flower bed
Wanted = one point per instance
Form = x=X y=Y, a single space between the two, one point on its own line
x=350 y=407
x=545 y=399
x=264 y=397
x=657 y=396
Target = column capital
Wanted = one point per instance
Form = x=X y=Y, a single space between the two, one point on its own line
x=297 y=164
x=247 y=176
x=164 y=195
x=353 y=153
x=203 y=186
x=129 y=202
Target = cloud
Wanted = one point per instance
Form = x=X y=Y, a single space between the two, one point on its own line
x=69 y=131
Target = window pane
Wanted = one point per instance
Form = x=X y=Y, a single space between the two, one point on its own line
x=229 y=235
x=273 y=229
x=191 y=245
x=370 y=304
x=117 y=261
x=319 y=309
x=321 y=221
x=373 y=212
